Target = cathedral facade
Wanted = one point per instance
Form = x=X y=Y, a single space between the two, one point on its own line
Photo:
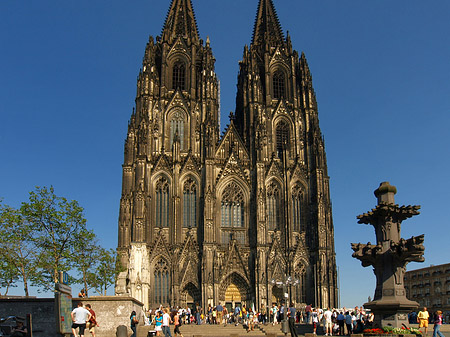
x=208 y=218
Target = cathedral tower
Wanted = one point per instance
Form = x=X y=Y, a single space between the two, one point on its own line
x=205 y=219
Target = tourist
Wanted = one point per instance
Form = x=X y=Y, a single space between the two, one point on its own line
x=422 y=319
x=158 y=323
x=340 y=319
x=237 y=314
x=82 y=293
x=19 y=330
x=166 y=323
x=291 y=317
x=437 y=324
x=281 y=312
x=219 y=310
x=79 y=317
x=308 y=310
x=177 y=324
x=262 y=314
x=133 y=322
x=315 y=320
x=92 y=323
x=275 y=314
x=348 y=322
x=327 y=322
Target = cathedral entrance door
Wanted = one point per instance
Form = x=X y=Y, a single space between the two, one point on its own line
x=277 y=295
x=232 y=297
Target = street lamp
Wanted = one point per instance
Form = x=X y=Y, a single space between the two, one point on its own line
x=289 y=281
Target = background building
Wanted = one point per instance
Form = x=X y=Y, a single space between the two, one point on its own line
x=207 y=218
x=430 y=287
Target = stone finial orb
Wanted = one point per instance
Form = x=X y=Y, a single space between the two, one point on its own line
x=385 y=193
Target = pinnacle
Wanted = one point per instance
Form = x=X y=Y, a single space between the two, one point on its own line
x=267 y=27
x=180 y=21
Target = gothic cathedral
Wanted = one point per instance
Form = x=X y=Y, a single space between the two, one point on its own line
x=206 y=218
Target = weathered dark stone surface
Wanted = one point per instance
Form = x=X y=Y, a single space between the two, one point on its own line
x=389 y=257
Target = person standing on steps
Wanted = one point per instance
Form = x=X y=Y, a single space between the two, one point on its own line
x=291 y=317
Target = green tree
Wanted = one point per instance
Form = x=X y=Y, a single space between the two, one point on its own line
x=106 y=271
x=56 y=223
x=85 y=256
x=18 y=252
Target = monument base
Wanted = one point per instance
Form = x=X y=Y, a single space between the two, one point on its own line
x=391 y=313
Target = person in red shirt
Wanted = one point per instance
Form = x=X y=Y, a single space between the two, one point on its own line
x=92 y=323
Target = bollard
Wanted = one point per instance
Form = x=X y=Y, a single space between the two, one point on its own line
x=122 y=331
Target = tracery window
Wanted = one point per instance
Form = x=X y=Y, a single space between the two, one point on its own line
x=274 y=209
x=282 y=134
x=162 y=203
x=190 y=204
x=297 y=208
x=232 y=214
x=161 y=282
x=177 y=126
x=179 y=76
x=279 y=85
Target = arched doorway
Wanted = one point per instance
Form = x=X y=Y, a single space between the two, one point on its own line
x=234 y=290
x=190 y=295
x=277 y=295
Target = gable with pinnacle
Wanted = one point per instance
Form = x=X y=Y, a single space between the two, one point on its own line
x=190 y=165
x=233 y=167
x=177 y=101
x=276 y=260
x=234 y=263
x=279 y=60
x=179 y=50
x=281 y=111
x=163 y=163
x=232 y=142
x=188 y=262
x=160 y=249
x=274 y=169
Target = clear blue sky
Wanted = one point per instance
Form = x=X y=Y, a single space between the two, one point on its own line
x=381 y=71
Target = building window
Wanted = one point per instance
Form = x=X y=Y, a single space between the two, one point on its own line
x=282 y=134
x=179 y=76
x=177 y=128
x=232 y=214
x=279 y=85
x=297 y=208
x=274 y=210
x=162 y=282
x=190 y=204
x=162 y=203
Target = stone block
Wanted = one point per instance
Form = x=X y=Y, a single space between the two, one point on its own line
x=310 y=334
x=271 y=334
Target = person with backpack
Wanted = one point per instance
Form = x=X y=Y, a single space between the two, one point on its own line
x=133 y=323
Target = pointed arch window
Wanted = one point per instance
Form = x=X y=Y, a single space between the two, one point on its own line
x=189 y=204
x=179 y=76
x=279 y=85
x=232 y=214
x=297 y=197
x=161 y=282
x=177 y=127
x=162 y=203
x=282 y=134
x=274 y=209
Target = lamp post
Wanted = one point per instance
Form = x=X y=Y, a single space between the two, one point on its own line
x=286 y=284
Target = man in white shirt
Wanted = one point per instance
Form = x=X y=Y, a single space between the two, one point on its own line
x=166 y=322
x=327 y=315
x=79 y=316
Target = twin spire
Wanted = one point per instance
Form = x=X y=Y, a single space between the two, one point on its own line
x=267 y=27
x=180 y=21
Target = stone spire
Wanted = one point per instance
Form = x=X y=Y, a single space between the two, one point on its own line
x=267 y=28
x=180 y=21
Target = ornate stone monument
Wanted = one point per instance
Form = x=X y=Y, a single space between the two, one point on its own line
x=389 y=257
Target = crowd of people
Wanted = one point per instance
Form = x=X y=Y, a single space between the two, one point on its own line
x=338 y=322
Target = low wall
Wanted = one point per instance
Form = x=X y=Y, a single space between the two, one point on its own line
x=111 y=311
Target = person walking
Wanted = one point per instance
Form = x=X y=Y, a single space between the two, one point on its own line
x=177 y=324
x=133 y=322
x=327 y=322
x=79 y=317
x=422 y=319
x=219 y=309
x=166 y=323
x=348 y=322
x=92 y=323
x=158 y=323
x=291 y=317
x=437 y=324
